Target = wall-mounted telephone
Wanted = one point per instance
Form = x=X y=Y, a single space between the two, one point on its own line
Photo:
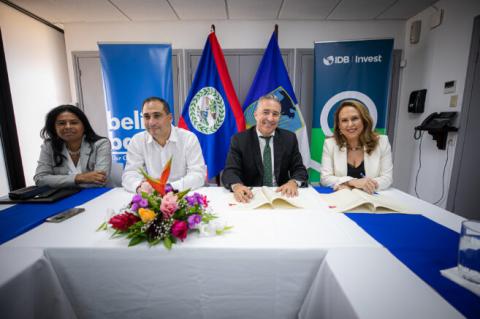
x=416 y=102
x=438 y=125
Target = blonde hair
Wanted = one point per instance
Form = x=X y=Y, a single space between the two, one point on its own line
x=367 y=138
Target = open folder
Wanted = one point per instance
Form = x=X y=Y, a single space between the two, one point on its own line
x=267 y=197
x=48 y=195
x=347 y=200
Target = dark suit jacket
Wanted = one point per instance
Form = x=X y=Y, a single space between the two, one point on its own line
x=244 y=160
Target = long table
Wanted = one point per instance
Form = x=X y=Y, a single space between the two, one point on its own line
x=279 y=263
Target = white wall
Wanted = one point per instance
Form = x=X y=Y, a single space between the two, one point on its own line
x=38 y=76
x=231 y=34
x=440 y=56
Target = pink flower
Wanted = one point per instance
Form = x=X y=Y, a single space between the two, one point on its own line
x=179 y=229
x=123 y=221
x=169 y=205
x=146 y=188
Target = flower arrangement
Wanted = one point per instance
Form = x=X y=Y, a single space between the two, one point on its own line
x=158 y=213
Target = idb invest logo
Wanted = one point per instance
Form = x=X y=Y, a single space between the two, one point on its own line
x=329 y=60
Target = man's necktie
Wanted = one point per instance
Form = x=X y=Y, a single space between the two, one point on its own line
x=267 y=162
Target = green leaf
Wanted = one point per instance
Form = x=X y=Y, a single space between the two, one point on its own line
x=167 y=243
x=207 y=217
x=222 y=231
x=181 y=194
x=118 y=234
x=135 y=241
x=155 y=242
x=103 y=226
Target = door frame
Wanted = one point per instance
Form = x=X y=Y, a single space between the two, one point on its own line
x=8 y=128
x=473 y=59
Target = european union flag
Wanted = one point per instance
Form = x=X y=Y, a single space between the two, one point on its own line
x=212 y=110
x=272 y=78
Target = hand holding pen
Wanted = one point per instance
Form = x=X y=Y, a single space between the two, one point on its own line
x=366 y=184
x=242 y=193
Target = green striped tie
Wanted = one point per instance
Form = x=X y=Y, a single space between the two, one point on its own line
x=267 y=162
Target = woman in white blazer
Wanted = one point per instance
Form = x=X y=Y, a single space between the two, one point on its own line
x=355 y=156
x=72 y=153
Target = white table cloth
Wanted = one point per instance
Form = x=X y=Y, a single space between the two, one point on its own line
x=263 y=268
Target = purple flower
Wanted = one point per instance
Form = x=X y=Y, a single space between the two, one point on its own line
x=195 y=199
x=193 y=220
x=134 y=207
x=137 y=198
x=168 y=188
x=143 y=203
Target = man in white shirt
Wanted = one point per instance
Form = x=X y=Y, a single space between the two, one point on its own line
x=152 y=149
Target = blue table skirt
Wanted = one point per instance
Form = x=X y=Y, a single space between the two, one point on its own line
x=20 y=218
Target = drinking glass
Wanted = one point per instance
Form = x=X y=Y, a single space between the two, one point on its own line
x=469 y=251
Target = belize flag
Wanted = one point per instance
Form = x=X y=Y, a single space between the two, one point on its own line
x=212 y=110
x=272 y=78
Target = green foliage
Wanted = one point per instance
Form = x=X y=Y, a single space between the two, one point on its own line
x=207 y=217
x=221 y=231
x=137 y=240
x=167 y=243
x=103 y=226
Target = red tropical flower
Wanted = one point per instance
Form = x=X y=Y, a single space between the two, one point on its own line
x=123 y=221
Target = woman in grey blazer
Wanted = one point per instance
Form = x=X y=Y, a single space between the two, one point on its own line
x=72 y=153
x=356 y=157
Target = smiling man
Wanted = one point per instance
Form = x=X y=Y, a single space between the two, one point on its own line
x=264 y=155
x=152 y=149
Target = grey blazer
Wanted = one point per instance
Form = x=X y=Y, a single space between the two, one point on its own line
x=95 y=158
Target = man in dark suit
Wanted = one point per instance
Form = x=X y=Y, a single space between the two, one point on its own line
x=253 y=160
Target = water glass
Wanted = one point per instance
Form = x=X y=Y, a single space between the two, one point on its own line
x=469 y=251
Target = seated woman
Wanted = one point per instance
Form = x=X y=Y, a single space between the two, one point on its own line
x=356 y=157
x=72 y=153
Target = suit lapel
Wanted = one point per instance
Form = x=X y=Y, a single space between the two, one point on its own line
x=257 y=156
x=277 y=154
x=341 y=167
x=86 y=149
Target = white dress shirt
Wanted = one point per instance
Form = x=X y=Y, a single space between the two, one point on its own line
x=188 y=166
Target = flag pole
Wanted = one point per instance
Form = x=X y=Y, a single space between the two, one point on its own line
x=276 y=31
x=212 y=28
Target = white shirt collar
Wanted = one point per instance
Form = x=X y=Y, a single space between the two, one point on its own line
x=259 y=134
x=172 y=138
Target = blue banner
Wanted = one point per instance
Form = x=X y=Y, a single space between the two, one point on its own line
x=272 y=78
x=212 y=110
x=349 y=70
x=131 y=73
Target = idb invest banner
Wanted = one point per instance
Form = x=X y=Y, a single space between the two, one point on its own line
x=131 y=73
x=357 y=70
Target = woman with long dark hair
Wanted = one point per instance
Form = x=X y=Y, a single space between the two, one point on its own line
x=356 y=156
x=72 y=153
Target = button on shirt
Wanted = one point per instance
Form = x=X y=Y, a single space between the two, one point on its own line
x=262 y=143
x=188 y=166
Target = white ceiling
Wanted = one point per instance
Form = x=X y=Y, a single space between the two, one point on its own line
x=71 y=11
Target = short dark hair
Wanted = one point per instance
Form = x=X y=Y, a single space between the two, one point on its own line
x=49 y=133
x=166 y=106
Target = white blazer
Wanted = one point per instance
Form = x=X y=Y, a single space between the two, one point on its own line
x=378 y=165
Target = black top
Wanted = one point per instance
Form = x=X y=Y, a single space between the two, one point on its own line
x=356 y=172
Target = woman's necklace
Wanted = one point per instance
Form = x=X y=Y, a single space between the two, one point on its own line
x=356 y=148
x=73 y=153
